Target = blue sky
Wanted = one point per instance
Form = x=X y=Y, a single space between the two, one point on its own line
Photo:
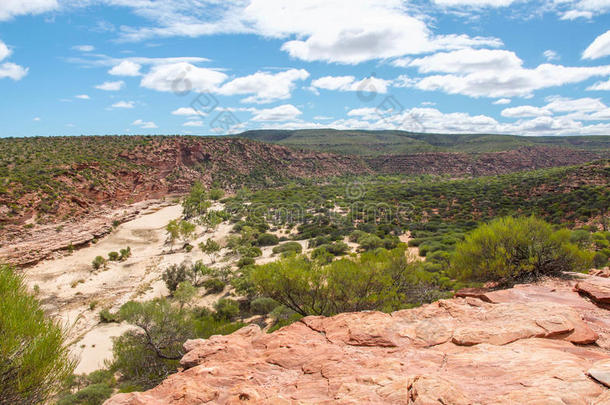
x=214 y=67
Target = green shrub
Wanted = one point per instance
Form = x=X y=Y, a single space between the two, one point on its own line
x=125 y=253
x=216 y=194
x=226 y=309
x=514 y=249
x=113 y=256
x=267 y=239
x=98 y=262
x=34 y=359
x=288 y=247
x=214 y=286
x=108 y=317
x=245 y=261
x=94 y=394
x=600 y=260
x=263 y=305
x=176 y=274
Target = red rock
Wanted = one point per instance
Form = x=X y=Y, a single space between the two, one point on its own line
x=534 y=347
x=597 y=288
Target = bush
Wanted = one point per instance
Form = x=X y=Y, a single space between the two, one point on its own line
x=98 y=262
x=34 y=359
x=125 y=253
x=245 y=261
x=176 y=274
x=267 y=239
x=113 y=256
x=263 y=305
x=214 y=286
x=600 y=260
x=94 y=394
x=288 y=247
x=515 y=249
x=216 y=194
x=226 y=309
x=108 y=317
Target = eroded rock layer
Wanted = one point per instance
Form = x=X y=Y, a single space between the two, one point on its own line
x=547 y=343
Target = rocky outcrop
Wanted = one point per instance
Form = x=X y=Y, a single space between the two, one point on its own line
x=537 y=344
x=482 y=164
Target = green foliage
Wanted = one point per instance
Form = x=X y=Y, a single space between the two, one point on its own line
x=98 y=262
x=267 y=239
x=288 y=247
x=108 y=317
x=515 y=249
x=176 y=274
x=263 y=305
x=381 y=280
x=245 y=261
x=196 y=203
x=94 y=394
x=125 y=254
x=226 y=309
x=34 y=359
x=113 y=256
x=216 y=194
x=184 y=293
x=214 y=286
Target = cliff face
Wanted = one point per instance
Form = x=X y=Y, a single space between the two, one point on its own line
x=482 y=164
x=547 y=343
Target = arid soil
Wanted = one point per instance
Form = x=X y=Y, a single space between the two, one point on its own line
x=547 y=343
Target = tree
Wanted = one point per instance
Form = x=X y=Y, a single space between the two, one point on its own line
x=187 y=231
x=211 y=248
x=196 y=203
x=184 y=293
x=516 y=249
x=176 y=274
x=34 y=358
x=173 y=232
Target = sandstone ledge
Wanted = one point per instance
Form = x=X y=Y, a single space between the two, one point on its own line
x=534 y=344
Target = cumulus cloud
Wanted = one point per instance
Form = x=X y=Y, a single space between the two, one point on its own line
x=525 y=111
x=12 y=71
x=144 y=124
x=265 y=87
x=502 y=101
x=495 y=73
x=575 y=14
x=186 y=111
x=82 y=96
x=123 y=104
x=111 y=86
x=284 y=112
x=182 y=77
x=197 y=123
x=343 y=31
x=600 y=47
x=349 y=83
x=5 y=52
x=126 y=68
x=13 y=8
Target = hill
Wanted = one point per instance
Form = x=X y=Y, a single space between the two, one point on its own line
x=375 y=143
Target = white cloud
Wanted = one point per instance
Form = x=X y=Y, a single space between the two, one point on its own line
x=186 y=111
x=84 y=48
x=284 y=112
x=514 y=82
x=474 y=3
x=525 y=111
x=13 y=8
x=600 y=86
x=502 y=101
x=468 y=61
x=574 y=14
x=344 y=31
x=182 y=77
x=265 y=87
x=126 y=68
x=600 y=47
x=550 y=55
x=111 y=86
x=123 y=104
x=82 y=96
x=36 y=119
x=12 y=71
x=197 y=123
x=349 y=83
x=144 y=124
x=5 y=52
